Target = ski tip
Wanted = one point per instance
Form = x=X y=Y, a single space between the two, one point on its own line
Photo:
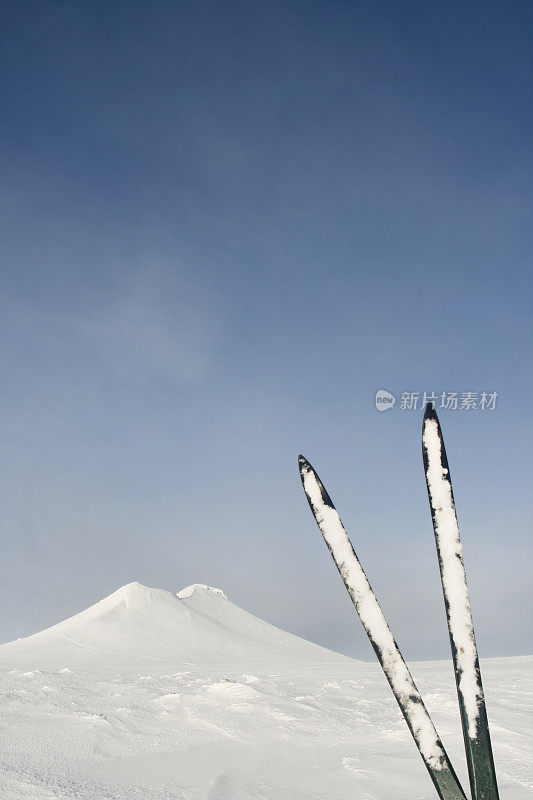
x=303 y=463
x=430 y=412
x=307 y=472
x=305 y=469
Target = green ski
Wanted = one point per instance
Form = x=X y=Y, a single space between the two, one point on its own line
x=460 y=625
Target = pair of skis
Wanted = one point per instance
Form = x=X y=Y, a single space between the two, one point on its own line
x=464 y=652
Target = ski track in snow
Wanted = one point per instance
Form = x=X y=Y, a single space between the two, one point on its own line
x=116 y=652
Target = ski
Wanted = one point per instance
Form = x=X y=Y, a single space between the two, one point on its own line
x=460 y=625
x=396 y=671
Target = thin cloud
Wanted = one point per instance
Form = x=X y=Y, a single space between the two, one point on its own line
x=156 y=324
x=161 y=324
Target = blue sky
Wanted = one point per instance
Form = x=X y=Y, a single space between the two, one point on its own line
x=225 y=226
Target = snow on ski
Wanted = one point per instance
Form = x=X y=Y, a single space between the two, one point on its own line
x=409 y=699
x=461 y=627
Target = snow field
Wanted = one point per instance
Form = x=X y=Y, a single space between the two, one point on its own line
x=116 y=728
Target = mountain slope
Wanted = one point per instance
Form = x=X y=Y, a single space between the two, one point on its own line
x=136 y=626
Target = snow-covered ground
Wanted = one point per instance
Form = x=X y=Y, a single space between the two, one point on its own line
x=155 y=696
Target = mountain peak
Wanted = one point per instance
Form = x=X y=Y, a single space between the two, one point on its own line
x=199 y=587
x=127 y=592
x=132 y=595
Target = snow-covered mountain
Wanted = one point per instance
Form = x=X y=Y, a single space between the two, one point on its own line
x=187 y=697
x=137 y=626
